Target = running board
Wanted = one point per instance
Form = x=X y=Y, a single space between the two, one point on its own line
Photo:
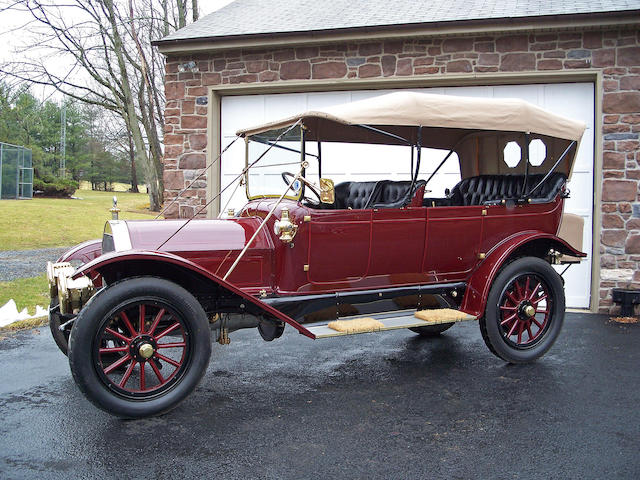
x=389 y=321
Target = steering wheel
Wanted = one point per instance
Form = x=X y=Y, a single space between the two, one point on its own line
x=312 y=187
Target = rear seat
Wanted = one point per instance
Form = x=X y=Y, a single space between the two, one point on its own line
x=486 y=189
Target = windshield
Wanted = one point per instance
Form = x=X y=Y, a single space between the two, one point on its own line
x=265 y=179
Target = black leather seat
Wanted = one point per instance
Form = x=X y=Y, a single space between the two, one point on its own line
x=353 y=195
x=548 y=191
x=395 y=194
x=486 y=189
x=380 y=194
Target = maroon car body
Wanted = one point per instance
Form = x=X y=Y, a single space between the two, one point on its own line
x=377 y=247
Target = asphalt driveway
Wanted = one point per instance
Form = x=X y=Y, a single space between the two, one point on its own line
x=387 y=405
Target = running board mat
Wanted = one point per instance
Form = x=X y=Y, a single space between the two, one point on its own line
x=357 y=325
x=407 y=320
x=441 y=315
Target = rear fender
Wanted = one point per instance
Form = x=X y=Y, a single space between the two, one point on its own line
x=528 y=243
x=117 y=265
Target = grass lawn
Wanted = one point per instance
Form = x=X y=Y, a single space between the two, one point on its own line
x=50 y=222
x=27 y=292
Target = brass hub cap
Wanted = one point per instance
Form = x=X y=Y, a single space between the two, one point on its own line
x=529 y=311
x=146 y=350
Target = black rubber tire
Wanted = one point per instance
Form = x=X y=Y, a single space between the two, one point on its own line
x=61 y=338
x=88 y=324
x=432 y=330
x=490 y=322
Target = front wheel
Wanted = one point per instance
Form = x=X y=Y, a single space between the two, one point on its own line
x=61 y=337
x=139 y=347
x=524 y=312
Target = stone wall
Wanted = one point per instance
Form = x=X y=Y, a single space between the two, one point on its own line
x=615 y=53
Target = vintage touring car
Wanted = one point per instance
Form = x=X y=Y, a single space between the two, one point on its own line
x=137 y=317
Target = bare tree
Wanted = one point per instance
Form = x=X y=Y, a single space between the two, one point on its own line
x=194 y=10
x=182 y=12
x=112 y=64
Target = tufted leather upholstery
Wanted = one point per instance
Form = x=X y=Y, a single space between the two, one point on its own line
x=549 y=189
x=353 y=194
x=396 y=194
x=494 y=188
x=381 y=194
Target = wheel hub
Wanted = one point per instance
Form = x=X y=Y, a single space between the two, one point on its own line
x=143 y=347
x=526 y=310
x=146 y=350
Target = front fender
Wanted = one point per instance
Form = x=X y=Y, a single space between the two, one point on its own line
x=477 y=291
x=84 y=252
x=142 y=257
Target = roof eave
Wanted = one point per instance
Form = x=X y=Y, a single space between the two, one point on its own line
x=458 y=27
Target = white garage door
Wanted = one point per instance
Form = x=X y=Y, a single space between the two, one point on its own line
x=573 y=100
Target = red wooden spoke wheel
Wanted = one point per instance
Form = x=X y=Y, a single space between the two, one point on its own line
x=139 y=347
x=142 y=348
x=525 y=310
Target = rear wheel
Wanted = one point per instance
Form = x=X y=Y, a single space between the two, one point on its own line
x=524 y=312
x=139 y=347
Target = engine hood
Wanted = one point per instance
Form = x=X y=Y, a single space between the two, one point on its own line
x=196 y=236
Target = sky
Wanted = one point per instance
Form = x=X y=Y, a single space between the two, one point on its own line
x=11 y=39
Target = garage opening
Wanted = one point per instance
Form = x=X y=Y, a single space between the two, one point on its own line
x=572 y=100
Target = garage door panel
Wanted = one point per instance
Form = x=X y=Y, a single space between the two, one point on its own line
x=576 y=201
x=240 y=110
x=533 y=94
x=572 y=100
x=362 y=163
x=363 y=94
x=584 y=159
x=282 y=105
x=326 y=99
x=480 y=92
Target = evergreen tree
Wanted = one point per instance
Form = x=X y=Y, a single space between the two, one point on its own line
x=92 y=153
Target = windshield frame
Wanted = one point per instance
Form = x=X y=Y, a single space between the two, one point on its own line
x=302 y=153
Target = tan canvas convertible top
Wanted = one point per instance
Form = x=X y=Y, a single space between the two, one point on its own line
x=477 y=129
x=443 y=111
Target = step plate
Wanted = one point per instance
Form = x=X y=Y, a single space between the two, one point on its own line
x=405 y=320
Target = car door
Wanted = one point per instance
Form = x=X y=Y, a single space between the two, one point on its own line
x=339 y=246
x=397 y=245
x=454 y=234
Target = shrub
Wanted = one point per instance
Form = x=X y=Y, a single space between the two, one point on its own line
x=54 y=187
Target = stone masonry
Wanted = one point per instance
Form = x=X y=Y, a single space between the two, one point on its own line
x=615 y=52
